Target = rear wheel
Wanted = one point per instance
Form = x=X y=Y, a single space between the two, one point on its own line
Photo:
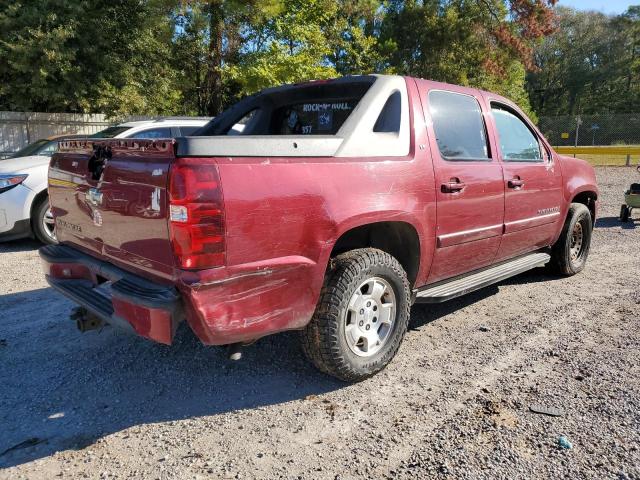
x=569 y=254
x=42 y=222
x=361 y=317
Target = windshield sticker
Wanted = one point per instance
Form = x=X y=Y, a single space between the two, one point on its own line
x=325 y=120
x=293 y=119
x=318 y=107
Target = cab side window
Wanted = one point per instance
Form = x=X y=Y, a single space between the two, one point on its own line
x=517 y=142
x=459 y=127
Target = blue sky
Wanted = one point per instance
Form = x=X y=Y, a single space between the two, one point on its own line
x=605 y=6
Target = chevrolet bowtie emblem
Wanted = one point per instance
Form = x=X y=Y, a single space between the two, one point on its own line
x=94 y=196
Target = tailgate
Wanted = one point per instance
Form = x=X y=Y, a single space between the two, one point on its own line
x=109 y=198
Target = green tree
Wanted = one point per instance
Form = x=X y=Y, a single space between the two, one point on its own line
x=226 y=49
x=482 y=43
x=144 y=81
x=95 y=55
x=353 y=34
x=209 y=37
x=289 y=47
x=589 y=65
x=198 y=56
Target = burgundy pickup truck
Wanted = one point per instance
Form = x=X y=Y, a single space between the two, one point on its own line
x=327 y=207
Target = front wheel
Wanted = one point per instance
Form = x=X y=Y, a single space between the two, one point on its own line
x=42 y=222
x=570 y=252
x=361 y=317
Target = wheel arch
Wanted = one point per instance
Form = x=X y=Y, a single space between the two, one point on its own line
x=397 y=238
x=36 y=200
x=587 y=198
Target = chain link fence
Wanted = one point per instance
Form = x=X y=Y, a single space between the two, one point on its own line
x=592 y=130
x=602 y=139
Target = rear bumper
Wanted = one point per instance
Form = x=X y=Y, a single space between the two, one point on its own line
x=225 y=305
x=117 y=297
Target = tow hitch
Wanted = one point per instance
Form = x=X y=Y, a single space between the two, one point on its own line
x=85 y=320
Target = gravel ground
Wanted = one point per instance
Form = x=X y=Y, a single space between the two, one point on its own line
x=453 y=404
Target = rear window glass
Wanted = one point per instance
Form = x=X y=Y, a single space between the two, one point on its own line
x=459 y=126
x=109 y=132
x=318 y=108
x=313 y=117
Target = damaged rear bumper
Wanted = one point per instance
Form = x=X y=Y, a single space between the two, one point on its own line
x=116 y=297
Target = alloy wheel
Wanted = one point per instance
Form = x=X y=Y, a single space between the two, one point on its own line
x=370 y=317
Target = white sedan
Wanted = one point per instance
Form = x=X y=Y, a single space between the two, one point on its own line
x=24 y=203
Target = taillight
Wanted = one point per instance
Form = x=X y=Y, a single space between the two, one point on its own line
x=196 y=214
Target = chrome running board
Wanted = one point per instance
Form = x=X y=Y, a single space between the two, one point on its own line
x=448 y=289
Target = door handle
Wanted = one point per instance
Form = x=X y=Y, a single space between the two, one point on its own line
x=515 y=183
x=452 y=186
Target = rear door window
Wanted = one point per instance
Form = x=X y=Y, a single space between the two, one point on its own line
x=458 y=125
x=517 y=142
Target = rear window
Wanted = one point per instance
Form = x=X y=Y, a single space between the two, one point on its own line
x=315 y=117
x=109 y=132
x=312 y=109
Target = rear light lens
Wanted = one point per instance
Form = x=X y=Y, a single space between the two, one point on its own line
x=196 y=214
x=7 y=182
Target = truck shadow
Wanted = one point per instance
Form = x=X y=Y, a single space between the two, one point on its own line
x=24 y=245
x=425 y=313
x=65 y=390
x=609 y=222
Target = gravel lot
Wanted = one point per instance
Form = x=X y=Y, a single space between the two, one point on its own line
x=454 y=403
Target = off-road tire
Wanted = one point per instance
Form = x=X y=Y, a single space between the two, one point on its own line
x=561 y=259
x=323 y=340
x=37 y=227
